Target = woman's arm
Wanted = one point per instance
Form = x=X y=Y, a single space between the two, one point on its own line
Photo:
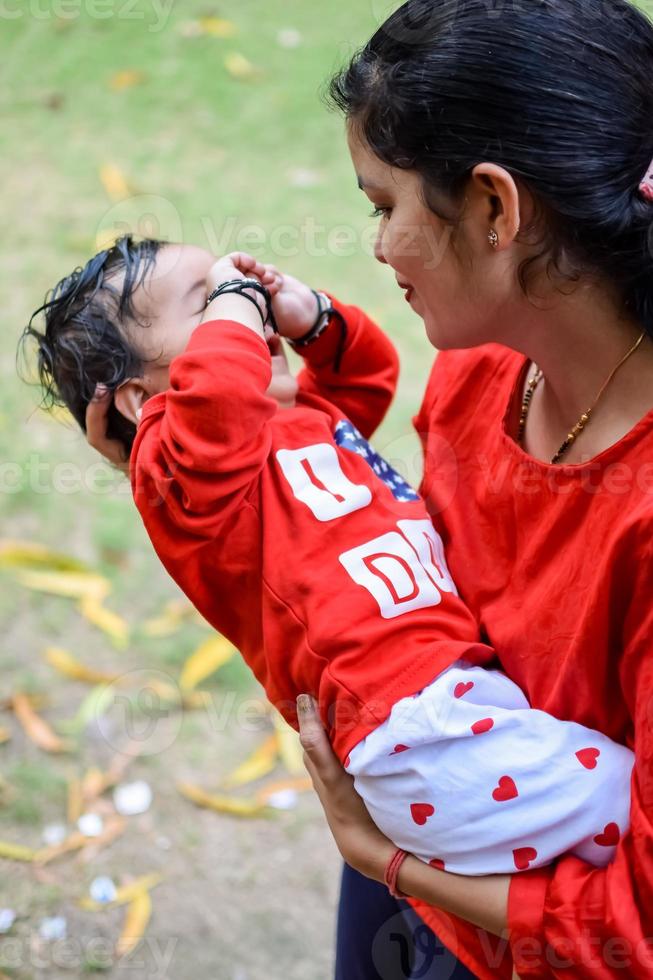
x=482 y=901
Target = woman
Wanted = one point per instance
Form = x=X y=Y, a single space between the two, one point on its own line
x=504 y=151
x=545 y=505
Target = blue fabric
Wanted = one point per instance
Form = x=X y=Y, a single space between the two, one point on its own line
x=379 y=938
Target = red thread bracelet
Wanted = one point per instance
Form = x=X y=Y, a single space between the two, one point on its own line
x=392 y=872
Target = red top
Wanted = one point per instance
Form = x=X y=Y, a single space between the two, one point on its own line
x=327 y=577
x=556 y=563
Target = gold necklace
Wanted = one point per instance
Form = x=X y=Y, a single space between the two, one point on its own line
x=585 y=417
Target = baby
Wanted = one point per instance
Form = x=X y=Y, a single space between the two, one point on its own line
x=295 y=540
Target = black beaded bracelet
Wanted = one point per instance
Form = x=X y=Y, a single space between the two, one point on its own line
x=318 y=328
x=240 y=287
x=324 y=318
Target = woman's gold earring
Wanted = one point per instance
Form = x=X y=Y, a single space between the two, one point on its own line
x=493 y=238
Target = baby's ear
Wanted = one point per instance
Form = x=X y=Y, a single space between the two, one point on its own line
x=129 y=399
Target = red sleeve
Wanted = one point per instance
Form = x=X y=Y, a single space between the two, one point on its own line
x=573 y=920
x=201 y=444
x=365 y=384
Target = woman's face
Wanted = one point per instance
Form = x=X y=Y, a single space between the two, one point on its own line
x=464 y=292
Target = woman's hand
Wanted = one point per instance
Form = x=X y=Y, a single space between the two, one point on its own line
x=293 y=304
x=481 y=900
x=360 y=842
x=97 y=415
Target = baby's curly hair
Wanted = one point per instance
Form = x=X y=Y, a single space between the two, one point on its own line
x=84 y=342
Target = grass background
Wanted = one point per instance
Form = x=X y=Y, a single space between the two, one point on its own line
x=205 y=156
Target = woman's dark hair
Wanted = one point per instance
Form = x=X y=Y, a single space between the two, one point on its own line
x=559 y=92
x=84 y=342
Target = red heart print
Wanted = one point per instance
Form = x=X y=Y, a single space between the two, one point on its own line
x=523 y=856
x=461 y=689
x=506 y=790
x=347 y=762
x=400 y=748
x=480 y=727
x=610 y=836
x=588 y=757
x=420 y=812
x=437 y=863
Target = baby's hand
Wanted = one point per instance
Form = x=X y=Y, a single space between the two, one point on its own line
x=240 y=265
x=293 y=304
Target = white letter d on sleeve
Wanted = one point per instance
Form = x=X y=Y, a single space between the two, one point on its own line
x=392 y=573
x=317 y=480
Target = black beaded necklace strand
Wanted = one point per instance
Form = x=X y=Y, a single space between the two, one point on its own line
x=585 y=417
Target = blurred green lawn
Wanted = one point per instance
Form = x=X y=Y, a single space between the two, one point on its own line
x=206 y=156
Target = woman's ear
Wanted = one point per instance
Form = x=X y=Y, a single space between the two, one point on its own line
x=129 y=399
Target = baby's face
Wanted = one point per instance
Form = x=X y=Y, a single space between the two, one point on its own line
x=171 y=303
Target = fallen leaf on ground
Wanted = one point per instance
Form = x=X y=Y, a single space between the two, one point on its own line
x=137 y=919
x=66 y=664
x=75 y=800
x=172 y=694
x=73 y=842
x=217 y=26
x=28 y=554
x=125 y=894
x=259 y=764
x=290 y=749
x=15 y=852
x=240 y=67
x=115 y=183
x=209 y=657
x=96 y=704
x=35 y=727
x=174 y=615
x=5 y=735
x=298 y=785
x=222 y=804
x=126 y=79
x=211 y=26
x=69 y=584
x=109 y=622
x=114 y=827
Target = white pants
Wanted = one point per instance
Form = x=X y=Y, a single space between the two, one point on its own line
x=466 y=776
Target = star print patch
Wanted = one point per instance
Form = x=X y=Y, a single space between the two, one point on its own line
x=348 y=437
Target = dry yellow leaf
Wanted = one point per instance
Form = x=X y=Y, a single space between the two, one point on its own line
x=28 y=554
x=70 y=584
x=209 y=657
x=36 y=729
x=75 y=803
x=173 y=695
x=125 y=894
x=174 y=614
x=216 y=27
x=259 y=764
x=300 y=784
x=137 y=918
x=74 y=842
x=126 y=79
x=114 y=183
x=222 y=804
x=66 y=664
x=113 y=827
x=240 y=67
x=109 y=622
x=290 y=749
x=15 y=852
x=38 y=701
